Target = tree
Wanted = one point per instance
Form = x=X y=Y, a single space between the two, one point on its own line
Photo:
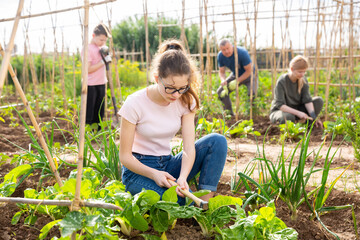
x=132 y=31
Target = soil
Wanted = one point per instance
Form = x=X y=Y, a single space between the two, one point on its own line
x=340 y=222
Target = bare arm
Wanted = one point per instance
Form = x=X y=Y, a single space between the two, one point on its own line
x=222 y=75
x=246 y=74
x=134 y=165
x=95 y=67
x=188 y=156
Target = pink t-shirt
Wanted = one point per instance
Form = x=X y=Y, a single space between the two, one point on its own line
x=156 y=125
x=99 y=76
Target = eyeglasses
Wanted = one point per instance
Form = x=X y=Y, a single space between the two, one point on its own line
x=170 y=90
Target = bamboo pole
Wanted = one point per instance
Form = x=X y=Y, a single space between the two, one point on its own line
x=329 y=72
x=62 y=74
x=351 y=61
x=56 y=11
x=236 y=63
x=183 y=36
x=215 y=48
x=208 y=62
x=52 y=109
x=33 y=77
x=306 y=28
x=60 y=203
x=201 y=60
x=335 y=84
x=24 y=69
x=147 y=55
x=133 y=51
x=117 y=77
x=141 y=58
x=33 y=121
x=253 y=75
x=74 y=84
x=318 y=36
x=6 y=58
x=340 y=48
x=114 y=59
x=84 y=89
x=44 y=69
x=160 y=30
x=273 y=67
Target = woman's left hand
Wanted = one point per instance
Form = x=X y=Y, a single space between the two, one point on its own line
x=318 y=124
x=183 y=185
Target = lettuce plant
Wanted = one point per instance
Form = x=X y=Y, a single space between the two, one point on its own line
x=260 y=224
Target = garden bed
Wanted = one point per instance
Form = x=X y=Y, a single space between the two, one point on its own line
x=340 y=222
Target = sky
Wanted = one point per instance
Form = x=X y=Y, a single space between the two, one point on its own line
x=68 y=26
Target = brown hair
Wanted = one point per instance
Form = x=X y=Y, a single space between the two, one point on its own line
x=171 y=60
x=102 y=29
x=298 y=63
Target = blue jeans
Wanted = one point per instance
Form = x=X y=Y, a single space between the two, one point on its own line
x=211 y=152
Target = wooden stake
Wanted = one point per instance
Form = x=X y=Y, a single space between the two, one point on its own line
x=340 y=49
x=183 y=36
x=160 y=30
x=273 y=67
x=114 y=59
x=318 y=37
x=146 y=41
x=62 y=74
x=201 y=59
x=6 y=58
x=33 y=76
x=351 y=51
x=52 y=109
x=33 y=121
x=74 y=84
x=253 y=76
x=208 y=65
x=25 y=69
x=236 y=63
x=84 y=89
x=330 y=62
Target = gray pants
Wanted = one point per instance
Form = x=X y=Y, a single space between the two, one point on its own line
x=226 y=99
x=280 y=116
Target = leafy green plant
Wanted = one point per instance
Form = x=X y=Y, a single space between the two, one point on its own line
x=353 y=131
x=260 y=224
x=336 y=128
x=218 y=214
x=282 y=178
x=243 y=128
x=205 y=127
x=292 y=131
x=106 y=157
x=11 y=179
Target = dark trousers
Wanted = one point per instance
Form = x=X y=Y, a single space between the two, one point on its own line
x=95 y=104
x=280 y=116
x=226 y=99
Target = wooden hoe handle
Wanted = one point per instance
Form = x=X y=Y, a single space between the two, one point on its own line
x=188 y=194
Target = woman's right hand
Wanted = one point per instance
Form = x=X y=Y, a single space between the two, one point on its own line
x=161 y=179
x=303 y=115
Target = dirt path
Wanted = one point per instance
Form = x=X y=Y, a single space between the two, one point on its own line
x=344 y=156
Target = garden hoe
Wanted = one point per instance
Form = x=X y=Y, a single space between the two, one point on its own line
x=104 y=51
x=199 y=202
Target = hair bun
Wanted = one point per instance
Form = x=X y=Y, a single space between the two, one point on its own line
x=172 y=46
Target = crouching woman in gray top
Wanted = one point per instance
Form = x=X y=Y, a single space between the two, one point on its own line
x=292 y=99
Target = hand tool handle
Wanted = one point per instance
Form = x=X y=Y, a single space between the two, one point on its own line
x=188 y=194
